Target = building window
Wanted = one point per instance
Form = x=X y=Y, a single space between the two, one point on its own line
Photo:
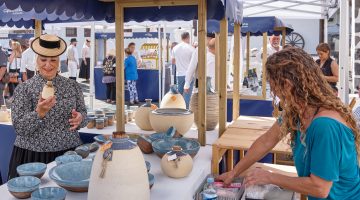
x=71 y=32
x=87 y=32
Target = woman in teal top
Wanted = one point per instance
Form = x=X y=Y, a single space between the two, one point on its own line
x=323 y=133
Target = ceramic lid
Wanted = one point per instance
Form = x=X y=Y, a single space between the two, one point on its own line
x=172 y=111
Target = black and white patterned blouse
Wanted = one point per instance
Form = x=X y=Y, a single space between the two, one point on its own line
x=51 y=133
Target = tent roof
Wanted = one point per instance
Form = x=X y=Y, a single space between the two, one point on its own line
x=255 y=25
x=312 y=9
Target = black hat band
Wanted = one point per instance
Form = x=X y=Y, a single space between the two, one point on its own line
x=49 y=44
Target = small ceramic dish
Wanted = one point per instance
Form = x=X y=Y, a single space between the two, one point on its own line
x=83 y=151
x=72 y=176
x=36 y=169
x=67 y=159
x=22 y=187
x=49 y=193
x=189 y=146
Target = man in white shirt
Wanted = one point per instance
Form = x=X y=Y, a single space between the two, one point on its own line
x=210 y=66
x=181 y=56
x=28 y=65
x=72 y=59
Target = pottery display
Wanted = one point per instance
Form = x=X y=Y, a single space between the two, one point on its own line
x=119 y=171
x=212 y=110
x=144 y=144
x=163 y=118
x=22 y=187
x=73 y=176
x=67 y=159
x=142 y=115
x=48 y=90
x=49 y=193
x=189 y=146
x=36 y=169
x=173 y=99
x=4 y=114
x=176 y=163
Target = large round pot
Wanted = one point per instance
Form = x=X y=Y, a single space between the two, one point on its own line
x=178 y=166
x=173 y=99
x=212 y=110
x=142 y=115
x=163 y=118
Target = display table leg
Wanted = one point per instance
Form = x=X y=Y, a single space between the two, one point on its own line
x=230 y=160
x=215 y=160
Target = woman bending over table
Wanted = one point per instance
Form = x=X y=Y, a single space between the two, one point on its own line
x=46 y=128
x=323 y=133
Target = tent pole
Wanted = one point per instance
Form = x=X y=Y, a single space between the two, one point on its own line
x=222 y=77
x=92 y=65
x=236 y=81
x=352 y=51
x=217 y=62
x=38 y=28
x=247 y=52
x=119 y=36
x=344 y=51
x=264 y=58
x=202 y=72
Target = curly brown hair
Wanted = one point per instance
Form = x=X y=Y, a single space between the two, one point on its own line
x=309 y=88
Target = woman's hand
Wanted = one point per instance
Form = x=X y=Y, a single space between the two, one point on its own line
x=44 y=105
x=258 y=176
x=226 y=177
x=76 y=119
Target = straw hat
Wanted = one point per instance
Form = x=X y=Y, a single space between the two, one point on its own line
x=48 y=45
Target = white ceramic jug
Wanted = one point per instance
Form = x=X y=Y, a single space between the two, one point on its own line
x=119 y=171
x=176 y=163
x=173 y=99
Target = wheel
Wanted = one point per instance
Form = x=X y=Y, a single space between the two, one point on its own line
x=295 y=39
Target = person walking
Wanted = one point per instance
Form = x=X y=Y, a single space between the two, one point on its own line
x=109 y=77
x=72 y=59
x=14 y=66
x=85 y=64
x=131 y=76
x=181 y=57
x=27 y=67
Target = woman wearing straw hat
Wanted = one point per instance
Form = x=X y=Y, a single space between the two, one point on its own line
x=46 y=128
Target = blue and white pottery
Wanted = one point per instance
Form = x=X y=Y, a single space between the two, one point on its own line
x=189 y=146
x=36 y=169
x=168 y=134
x=49 y=193
x=148 y=166
x=73 y=176
x=67 y=159
x=22 y=187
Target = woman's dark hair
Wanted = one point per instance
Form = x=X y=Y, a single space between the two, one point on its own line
x=128 y=51
x=324 y=47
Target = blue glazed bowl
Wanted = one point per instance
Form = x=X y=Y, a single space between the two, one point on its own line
x=148 y=165
x=67 y=159
x=49 y=193
x=72 y=176
x=36 y=169
x=189 y=146
x=151 y=180
x=168 y=134
x=22 y=187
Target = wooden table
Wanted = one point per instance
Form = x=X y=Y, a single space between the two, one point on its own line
x=240 y=135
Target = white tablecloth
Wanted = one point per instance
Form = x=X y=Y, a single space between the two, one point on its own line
x=164 y=188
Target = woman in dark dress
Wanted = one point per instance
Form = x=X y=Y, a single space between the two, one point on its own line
x=46 y=128
x=328 y=66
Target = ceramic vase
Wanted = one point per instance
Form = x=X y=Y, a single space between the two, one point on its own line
x=176 y=163
x=142 y=115
x=4 y=114
x=212 y=110
x=173 y=99
x=48 y=90
x=163 y=118
x=125 y=175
